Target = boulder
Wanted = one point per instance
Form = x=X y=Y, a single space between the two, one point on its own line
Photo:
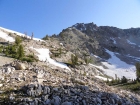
x=20 y=66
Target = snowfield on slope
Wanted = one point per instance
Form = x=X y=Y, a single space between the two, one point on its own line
x=44 y=56
x=19 y=34
x=6 y=37
x=118 y=67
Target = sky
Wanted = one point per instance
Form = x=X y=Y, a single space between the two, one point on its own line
x=48 y=17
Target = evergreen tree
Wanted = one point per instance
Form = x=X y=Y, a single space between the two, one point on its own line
x=123 y=79
x=1 y=49
x=74 y=59
x=18 y=40
x=60 y=51
x=138 y=70
x=46 y=37
x=20 y=52
x=118 y=80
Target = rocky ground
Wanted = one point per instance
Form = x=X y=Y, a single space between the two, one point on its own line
x=25 y=83
x=5 y=60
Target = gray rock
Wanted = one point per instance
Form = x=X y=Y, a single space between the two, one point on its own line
x=31 y=86
x=85 y=88
x=38 y=92
x=44 y=97
x=11 y=97
x=66 y=103
x=55 y=89
x=56 y=100
x=46 y=90
x=36 y=100
x=31 y=92
x=47 y=102
x=98 y=100
x=84 y=102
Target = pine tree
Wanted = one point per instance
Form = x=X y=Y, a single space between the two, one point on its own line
x=46 y=37
x=20 y=52
x=138 y=70
x=124 y=79
x=60 y=51
x=18 y=40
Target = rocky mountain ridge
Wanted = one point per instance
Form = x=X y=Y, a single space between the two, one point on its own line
x=122 y=41
x=104 y=44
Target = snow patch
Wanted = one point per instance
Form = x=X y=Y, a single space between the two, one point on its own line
x=128 y=41
x=6 y=37
x=114 y=41
x=114 y=60
x=44 y=56
x=102 y=78
x=95 y=56
x=116 y=66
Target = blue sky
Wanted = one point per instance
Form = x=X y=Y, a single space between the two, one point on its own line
x=51 y=16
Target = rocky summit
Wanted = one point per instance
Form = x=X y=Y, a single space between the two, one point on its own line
x=76 y=67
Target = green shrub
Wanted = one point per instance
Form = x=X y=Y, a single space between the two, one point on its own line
x=1 y=50
x=74 y=59
x=18 y=40
x=87 y=60
x=32 y=57
x=27 y=59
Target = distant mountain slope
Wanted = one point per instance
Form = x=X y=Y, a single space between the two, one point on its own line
x=91 y=39
x=96 y=39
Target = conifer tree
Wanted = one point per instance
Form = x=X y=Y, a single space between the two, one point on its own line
x=18 y=40
x=20 y=52
x=74 y=59
x=138 y=70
